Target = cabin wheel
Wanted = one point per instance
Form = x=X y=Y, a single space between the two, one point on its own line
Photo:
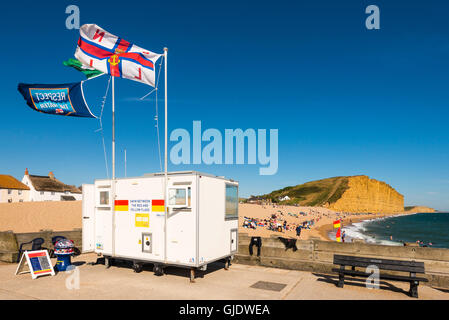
x=137 y=267
x=227 y=263
x=158 y=270
x=107 y=262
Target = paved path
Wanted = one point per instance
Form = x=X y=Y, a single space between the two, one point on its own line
x=97 y=282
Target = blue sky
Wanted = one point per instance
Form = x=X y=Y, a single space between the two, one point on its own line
x=346 y=100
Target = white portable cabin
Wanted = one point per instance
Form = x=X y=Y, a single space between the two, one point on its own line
x=125 y=219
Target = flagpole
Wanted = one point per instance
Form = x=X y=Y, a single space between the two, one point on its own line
x=165 y=159
x=113 y=166
x=113 y=127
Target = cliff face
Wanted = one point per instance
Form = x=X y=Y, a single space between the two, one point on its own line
x=368 y=195
x=357 y=194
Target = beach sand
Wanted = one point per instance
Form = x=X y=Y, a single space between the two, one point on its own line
x=59 y=216
x=324 y=219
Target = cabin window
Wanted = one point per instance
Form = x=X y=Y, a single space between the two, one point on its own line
x=20 y=192
x=177 y=197
x=42 y=193
x=189 y=197
x=9 y=191
x=104 y=198
x=232 y=202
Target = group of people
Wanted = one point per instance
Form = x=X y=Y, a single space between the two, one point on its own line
x=278 y=224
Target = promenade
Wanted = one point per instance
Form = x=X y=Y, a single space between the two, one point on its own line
x=240 y=282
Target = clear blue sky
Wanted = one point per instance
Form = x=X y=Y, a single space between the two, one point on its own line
x=346 y=100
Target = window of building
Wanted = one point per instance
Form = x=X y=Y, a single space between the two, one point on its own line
x=104 y=198
x=9 y=191
x=177 y=197
x=52 y=193
x=232 y=202
x=42 y=193
x=20 y=192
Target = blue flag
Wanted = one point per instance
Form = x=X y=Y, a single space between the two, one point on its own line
x=61 y=99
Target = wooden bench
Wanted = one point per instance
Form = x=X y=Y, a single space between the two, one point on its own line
x=412 y=267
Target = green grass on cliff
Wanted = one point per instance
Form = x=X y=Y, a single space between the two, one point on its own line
x=314 y=193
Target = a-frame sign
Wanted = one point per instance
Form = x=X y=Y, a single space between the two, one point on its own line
x=38 y=262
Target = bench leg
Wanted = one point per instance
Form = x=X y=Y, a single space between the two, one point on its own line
x=414 y=289
x=341 y=280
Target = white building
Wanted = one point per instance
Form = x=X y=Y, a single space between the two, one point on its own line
x=284 y=198
x=12 y=190
x=48 y=188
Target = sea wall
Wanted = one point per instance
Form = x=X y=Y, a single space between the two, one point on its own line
x=317 y=256
x=10 y=242
x=369 y=195
x=35 y=216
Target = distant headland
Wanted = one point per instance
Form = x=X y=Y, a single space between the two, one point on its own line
x=351 y=194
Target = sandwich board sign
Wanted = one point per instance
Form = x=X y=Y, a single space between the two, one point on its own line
x=39 y=263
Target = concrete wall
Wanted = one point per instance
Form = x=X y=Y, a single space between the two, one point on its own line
x=10 y=242
x=317 y=256
x=35 y=216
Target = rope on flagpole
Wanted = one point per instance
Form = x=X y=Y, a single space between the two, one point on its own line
x=101 y=126
x=156 y=117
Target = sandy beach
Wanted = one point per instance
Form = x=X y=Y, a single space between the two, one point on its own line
x=35 y=216
x=323 y=220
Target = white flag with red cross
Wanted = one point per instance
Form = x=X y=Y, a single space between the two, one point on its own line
x=110 y=54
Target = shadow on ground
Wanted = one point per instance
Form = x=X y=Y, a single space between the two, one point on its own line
x=169 y=270
x=357 y=282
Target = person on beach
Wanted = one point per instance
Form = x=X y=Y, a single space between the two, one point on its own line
x=298 y=231
x=343 y=235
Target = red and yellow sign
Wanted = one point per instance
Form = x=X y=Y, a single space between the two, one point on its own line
x=338 y=235
x=337 y=224
x=121 y=205
x=157 y=206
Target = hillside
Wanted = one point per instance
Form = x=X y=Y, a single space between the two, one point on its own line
x=420 y=209
x=356 y=194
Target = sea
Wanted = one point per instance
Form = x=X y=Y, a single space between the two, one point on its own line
x=430 y=228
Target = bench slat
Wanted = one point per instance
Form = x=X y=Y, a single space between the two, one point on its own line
x=386 y=264
x=383 y=266
x=381 y=275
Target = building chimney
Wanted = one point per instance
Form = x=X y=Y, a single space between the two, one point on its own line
x=26 y=171
x=51 y=175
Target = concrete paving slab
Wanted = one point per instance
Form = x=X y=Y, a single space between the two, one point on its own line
x=120 y=282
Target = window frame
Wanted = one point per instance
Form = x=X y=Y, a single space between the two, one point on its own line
x=109 y=200
x=186 y=198
x=226 y=215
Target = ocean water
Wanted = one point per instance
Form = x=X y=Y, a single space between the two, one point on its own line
x=427 y=227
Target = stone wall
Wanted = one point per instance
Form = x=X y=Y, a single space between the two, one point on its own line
x=10 y=242
x=369 y=195
x=317 y=256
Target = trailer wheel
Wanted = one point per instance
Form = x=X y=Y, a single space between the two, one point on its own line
x=107 y=262
x=192 y=275
x=158 y=270
x=137 y=267
x=227 y=263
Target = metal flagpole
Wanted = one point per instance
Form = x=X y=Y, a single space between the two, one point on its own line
x=165 y=160
x=113 y=127
x=166 y=120
x=113 y=167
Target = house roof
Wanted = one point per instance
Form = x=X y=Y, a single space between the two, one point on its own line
x=9 y=182
x=46 y=183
